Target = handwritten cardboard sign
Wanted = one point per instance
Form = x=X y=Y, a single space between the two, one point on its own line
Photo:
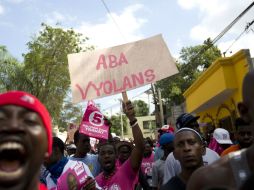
x=114 y=70
x=93 y=123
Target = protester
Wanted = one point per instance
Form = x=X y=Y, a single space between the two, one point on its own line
x=158 y=152
x=25 y=140
x=57 y=164
x=147 y=161
x=232 y=170
x=172 y=166
x=166 y=142
x=124 y=149
x=83 y=145
x=188 y=149
x=244 y=137
x=123 y=177
x=220 y=141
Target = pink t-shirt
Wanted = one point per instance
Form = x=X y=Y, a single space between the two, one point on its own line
x=147 y=164
x=118 y=163
x=124 y=178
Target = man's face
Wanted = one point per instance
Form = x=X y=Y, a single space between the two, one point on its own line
x=55 y=156
x=245 y=136
x=148 y=149
x=23 y=144
x=188 y=149
x=124 y=153
x=107 y=157
x=83 y=144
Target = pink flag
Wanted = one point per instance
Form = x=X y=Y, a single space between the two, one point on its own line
x=93 y=123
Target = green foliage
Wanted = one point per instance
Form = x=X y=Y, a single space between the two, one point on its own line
x=141 y=108
x=116 y=124
x=70 y=113
x=44 y=72
x=12 y=76
x=193 y=61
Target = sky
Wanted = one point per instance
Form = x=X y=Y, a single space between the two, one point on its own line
x=181 y=22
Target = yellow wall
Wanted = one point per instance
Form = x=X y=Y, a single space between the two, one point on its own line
x=223 y=74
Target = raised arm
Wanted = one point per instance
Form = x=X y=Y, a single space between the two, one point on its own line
x=137 y=152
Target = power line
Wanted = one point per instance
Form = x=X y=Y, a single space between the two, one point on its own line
x=245 y=30
x=232 y=23
x=208 y=46
x=117 y=104
x=117 y=26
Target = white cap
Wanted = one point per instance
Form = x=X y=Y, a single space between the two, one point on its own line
x=222 y=136
x=71 y=146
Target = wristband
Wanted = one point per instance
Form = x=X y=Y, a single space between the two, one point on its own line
x=134 y=121
x=134 y=124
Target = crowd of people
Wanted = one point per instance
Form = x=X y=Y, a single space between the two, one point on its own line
x=182 y=157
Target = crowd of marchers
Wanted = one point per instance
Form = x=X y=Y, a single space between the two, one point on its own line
x=181 y=157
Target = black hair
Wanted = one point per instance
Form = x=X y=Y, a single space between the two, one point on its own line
x=240 y=122
x=77 y=136
x=110 y=143
x=149 y=141
x=58 y=143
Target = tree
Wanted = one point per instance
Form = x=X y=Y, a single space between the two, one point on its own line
x=192 y=62
x=44 y=72
x=12 y=76
x=116 y=124
x=141 y=108
x=70 y=113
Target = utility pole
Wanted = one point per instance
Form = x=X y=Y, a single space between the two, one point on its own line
x=161 y=108
x=121 y=116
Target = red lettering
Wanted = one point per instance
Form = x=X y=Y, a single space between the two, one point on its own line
x=115 y=87
x=107 y=90
x=112 y=61
x=150 y=75
x=90 y=84
x=101 y=61
x=122 y=59
x=126 y=83
x=137 y=79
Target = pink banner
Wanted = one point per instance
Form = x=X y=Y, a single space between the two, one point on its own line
x=93 y=123
x=73 y=178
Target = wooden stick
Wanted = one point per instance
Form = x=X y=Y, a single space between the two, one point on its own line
x=125 y=97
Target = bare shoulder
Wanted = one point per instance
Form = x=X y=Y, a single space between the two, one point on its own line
x=217 y=173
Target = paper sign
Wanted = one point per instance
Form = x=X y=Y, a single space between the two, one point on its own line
x=73 y=178
x=117 y=69
x=93 y=123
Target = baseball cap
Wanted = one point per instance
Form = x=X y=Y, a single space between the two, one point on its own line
x=166 y=128
x=222 y=136
x=184 y=119
x=166 y=138
x=29 y=101
x=71 y=146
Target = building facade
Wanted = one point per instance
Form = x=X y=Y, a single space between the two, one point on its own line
x=215 y=94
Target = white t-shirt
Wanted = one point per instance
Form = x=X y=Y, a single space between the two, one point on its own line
x=173 y=167
x=70 y=164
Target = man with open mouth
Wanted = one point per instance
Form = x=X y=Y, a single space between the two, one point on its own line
x=125 y=176
x=25 y=140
